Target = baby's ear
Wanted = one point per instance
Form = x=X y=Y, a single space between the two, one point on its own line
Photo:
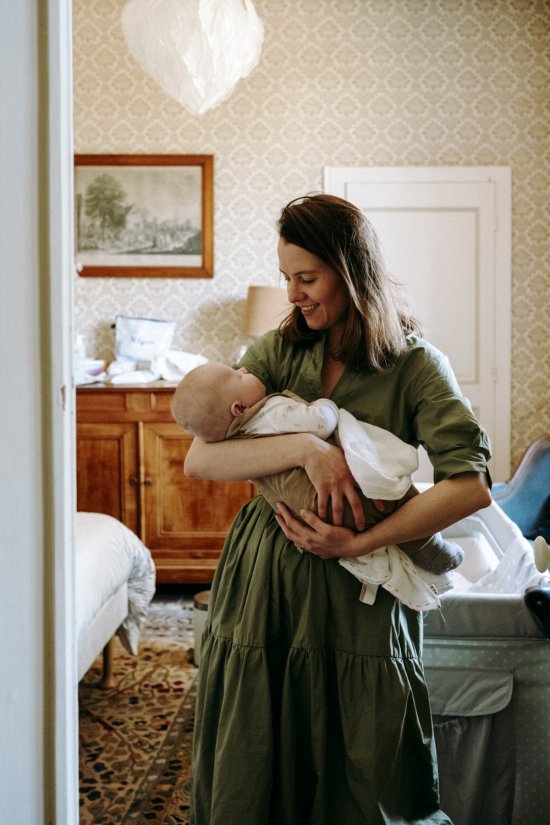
x=238 y=409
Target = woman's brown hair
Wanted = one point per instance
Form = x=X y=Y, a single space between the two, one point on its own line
x=341 y=235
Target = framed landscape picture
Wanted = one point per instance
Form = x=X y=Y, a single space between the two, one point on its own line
x=144 y=216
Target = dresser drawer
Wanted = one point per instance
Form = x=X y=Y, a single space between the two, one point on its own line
x=105 y=403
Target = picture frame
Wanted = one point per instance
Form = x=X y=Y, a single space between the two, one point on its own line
x=144 y=216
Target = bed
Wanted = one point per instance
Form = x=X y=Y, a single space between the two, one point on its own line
x=115 y=582
x=487 y=663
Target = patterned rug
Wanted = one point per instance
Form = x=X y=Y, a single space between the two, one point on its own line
x=135 y=739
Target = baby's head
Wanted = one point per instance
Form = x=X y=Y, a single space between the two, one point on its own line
x=210 y=396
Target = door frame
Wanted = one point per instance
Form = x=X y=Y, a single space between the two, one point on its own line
x=61 y=735
x=336 y=179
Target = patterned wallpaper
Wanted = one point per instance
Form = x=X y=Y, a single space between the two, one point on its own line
x=340 y=82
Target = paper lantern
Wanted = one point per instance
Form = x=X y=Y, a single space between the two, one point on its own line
x=197 y=50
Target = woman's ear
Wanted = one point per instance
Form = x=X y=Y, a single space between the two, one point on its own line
x=238 y=409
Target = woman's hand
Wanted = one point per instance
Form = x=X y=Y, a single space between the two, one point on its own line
x=329 y=473
x=443 y=504
x=316 y=536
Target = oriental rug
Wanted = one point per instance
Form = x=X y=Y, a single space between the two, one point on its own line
x=135 y=739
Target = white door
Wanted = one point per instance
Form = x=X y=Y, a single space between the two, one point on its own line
x=445 y=232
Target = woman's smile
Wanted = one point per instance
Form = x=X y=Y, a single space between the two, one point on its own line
x=307 y=310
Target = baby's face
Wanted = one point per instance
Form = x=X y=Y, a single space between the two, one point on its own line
x=245 y=387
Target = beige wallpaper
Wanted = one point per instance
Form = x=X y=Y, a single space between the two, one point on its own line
x=340 y=82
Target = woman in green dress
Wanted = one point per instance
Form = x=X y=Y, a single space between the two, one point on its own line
x=312 y=707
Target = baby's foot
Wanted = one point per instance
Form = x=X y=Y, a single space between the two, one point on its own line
x=438 y=555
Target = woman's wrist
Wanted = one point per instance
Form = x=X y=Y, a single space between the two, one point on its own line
x=365 y=542
x=307 y=445
x=359 y=544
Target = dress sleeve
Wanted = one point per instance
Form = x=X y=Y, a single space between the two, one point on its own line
x=265 y=359
x=444 y=422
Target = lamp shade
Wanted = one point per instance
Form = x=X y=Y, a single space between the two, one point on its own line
x=265 y=308
x=197 y=50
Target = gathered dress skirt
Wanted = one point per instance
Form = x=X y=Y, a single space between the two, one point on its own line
x=312 y=707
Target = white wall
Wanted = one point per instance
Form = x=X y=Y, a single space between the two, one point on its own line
x=36 y=710
x=21 y=482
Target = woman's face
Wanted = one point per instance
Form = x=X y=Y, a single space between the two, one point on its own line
x=317 y=290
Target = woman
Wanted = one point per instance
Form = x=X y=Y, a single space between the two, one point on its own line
x=312 y=706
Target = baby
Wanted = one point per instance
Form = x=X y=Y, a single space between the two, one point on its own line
x=215 y=402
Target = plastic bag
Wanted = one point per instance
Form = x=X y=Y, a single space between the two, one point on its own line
x=141 y=340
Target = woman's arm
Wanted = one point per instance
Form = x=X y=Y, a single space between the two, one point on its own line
x=441 y=505
x=240 y=459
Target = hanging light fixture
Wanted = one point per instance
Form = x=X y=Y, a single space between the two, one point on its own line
x=197 y=50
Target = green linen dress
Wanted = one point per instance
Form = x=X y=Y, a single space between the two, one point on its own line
x=312 y=707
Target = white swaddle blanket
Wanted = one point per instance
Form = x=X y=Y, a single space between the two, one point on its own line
x=391 y=568
x=383 y=464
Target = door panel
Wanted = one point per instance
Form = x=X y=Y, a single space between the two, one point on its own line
x=107 y=474
x=184 y=518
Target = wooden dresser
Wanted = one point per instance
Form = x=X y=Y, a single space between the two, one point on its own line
x=130 y=465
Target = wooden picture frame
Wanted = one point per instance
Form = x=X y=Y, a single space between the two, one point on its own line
x=144 y=216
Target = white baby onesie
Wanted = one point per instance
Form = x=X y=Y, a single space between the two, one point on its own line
x=281 y=414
